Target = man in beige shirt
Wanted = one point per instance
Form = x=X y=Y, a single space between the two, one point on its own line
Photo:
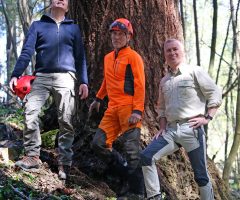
x=184 y=93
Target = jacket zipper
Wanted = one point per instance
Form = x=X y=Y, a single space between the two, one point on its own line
x=115 y=66
x=58 y=27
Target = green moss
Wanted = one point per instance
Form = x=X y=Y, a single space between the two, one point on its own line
x=48 y=138
x=11 y=116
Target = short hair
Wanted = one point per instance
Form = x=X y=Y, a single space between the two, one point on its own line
x=174 y=40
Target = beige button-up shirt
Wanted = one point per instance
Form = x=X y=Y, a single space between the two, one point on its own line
x=184 y=95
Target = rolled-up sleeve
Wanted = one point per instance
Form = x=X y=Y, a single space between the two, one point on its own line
x=210 y=90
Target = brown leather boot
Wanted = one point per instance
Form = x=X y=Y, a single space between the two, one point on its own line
x=29 y=162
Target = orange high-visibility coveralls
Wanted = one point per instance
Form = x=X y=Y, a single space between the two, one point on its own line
x=124 y=84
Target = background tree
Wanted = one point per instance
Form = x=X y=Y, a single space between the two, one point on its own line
x=214 y=37
x=9 y=12
x=196 y=32
x=235 y=57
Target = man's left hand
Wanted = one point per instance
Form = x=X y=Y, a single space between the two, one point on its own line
x=83 y=91
x=134 y=118
x=198 y=121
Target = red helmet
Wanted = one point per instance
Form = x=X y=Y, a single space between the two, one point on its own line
x=23 y=86
x=122 y=24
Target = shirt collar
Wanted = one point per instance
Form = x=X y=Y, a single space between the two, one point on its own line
x=182 y=69
x=55 y=19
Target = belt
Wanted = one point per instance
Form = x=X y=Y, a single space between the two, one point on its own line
x=181 y=121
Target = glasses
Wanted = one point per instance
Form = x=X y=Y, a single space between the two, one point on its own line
x=118 y=26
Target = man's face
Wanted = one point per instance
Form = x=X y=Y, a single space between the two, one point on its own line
x=174 y=53
x=60 y=4
x=119 y=39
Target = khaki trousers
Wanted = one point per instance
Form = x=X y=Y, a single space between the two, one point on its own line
x=61 y=87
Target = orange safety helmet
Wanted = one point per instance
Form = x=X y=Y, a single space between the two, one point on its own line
x=122 y=24
x=23 y=86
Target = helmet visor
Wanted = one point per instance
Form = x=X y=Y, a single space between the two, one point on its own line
x=118 y=26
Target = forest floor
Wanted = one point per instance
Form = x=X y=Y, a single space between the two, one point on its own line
x=42 y=183
x=89 y=179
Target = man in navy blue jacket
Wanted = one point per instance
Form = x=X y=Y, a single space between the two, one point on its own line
x=60 y=61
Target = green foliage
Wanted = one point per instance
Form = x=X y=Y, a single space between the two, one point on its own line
x=30 y=177
x=14 y=186
x=235 y=186
x=48 y=138
x=12 y=116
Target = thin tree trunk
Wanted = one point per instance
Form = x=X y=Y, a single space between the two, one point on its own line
x=182 y=19
x=196 y=33
x=223 y=49
x=25 y=12
x=25 y=15
x=214 y=38
x=46 y=5
x=9 y=26
x=227 y=131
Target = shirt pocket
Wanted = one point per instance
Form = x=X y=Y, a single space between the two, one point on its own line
x=186 y=89
x=166 y=92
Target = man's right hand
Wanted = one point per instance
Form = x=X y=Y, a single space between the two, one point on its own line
x=94 y=105
x=12 y=84
x=159 y=133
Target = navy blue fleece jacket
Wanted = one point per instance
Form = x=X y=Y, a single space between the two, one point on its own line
x=58 y=49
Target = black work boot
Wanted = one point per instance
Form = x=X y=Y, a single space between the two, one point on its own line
x=63 y=171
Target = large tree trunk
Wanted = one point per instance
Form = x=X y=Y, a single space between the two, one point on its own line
x=153 y=22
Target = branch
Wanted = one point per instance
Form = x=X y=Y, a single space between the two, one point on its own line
x=218 y=55
x=232 y=86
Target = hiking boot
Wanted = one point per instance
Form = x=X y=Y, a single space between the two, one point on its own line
x=156 y=197
x=63 y=171
x=131 y=196
x=29 y=162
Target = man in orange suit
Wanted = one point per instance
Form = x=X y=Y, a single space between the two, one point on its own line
x=124 y=84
